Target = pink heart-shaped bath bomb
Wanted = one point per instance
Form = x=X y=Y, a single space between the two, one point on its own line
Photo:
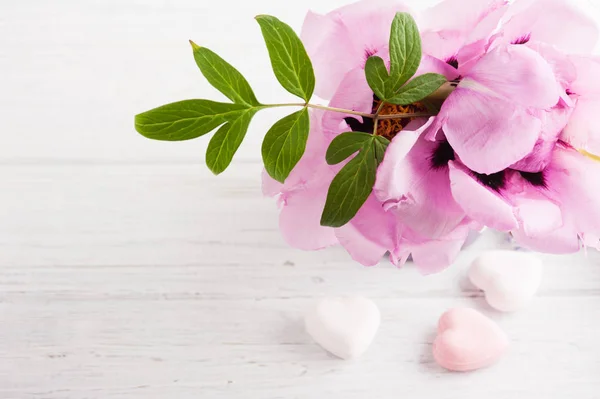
x=467 y=340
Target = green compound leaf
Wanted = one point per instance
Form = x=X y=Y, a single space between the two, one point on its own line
x=226 y=141
x=405 y=50
x=285 y=143
x=418 y=89
x=381 y=144
x=185 y=120
x=344 y=145
x=352 y=186
x=289 y=59
x=378 y=77
x=223 y=76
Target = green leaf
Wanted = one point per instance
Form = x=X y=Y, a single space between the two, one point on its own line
x=418 y=88
x=344 y=145
x=284 y=144
x=405 y=50
x=185 y=120
x=226 y=141
x=381 y=144
x=223 y=76
x=289 y=59
x=377 y=77
x=351 y=187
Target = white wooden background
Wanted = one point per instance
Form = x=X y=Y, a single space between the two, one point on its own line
x=128 y=271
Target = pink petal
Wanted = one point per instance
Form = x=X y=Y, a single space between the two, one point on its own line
x=554 y=22
x=488 y=133
x=369 y=21
x=586 y=81
x=574 y=180
x=472 y=22
x=563 y=240
x=304 y=192
x=582 y=131
x=300 y=220
x=465 y=14
x=331 y=51
x=437 y=255
x=389 y=171
x=270 y=186
x=554 y=121
x=478 y=41
x=538 y=216
x=516 y=73
x=353 y=94
x=442 y=45
x=369 y=235
x=479 y=202
x=430 y=256
x=591 y=241
x=431 y=64
x=415 y=191
x=562 y=65
x=343 y=39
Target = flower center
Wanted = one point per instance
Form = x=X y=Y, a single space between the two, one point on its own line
x=389 y=128
x=535 y=179
x=442 y=155
x=452 y=61
x=495 y=181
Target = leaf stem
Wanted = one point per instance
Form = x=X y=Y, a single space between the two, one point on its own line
x=348 y=111
x=323 y=107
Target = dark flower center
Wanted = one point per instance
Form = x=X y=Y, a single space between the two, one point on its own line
x=442 y=155
x=535 y=179
x=495 y=181
x=387 y=128
x=366 y=126
x=452 y=61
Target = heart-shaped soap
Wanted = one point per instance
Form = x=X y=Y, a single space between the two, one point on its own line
x=467 y=340
x=509 y=279
x=343 y=326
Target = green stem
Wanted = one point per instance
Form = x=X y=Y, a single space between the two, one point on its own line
x=347 y=111
x=323 y=107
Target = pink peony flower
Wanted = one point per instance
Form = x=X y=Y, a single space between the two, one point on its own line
x=549 y=211
x=492 y=118
x=501 y=152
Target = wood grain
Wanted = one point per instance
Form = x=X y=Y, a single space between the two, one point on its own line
x=162 y=281
x=128 y=271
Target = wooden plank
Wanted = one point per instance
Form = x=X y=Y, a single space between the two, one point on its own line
x=162 y=281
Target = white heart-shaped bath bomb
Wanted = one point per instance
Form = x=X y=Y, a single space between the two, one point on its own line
x=509 y=279
x=343 y=326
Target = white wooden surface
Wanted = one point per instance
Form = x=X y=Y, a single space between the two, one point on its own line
x=128 y=271
x=160 y=281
